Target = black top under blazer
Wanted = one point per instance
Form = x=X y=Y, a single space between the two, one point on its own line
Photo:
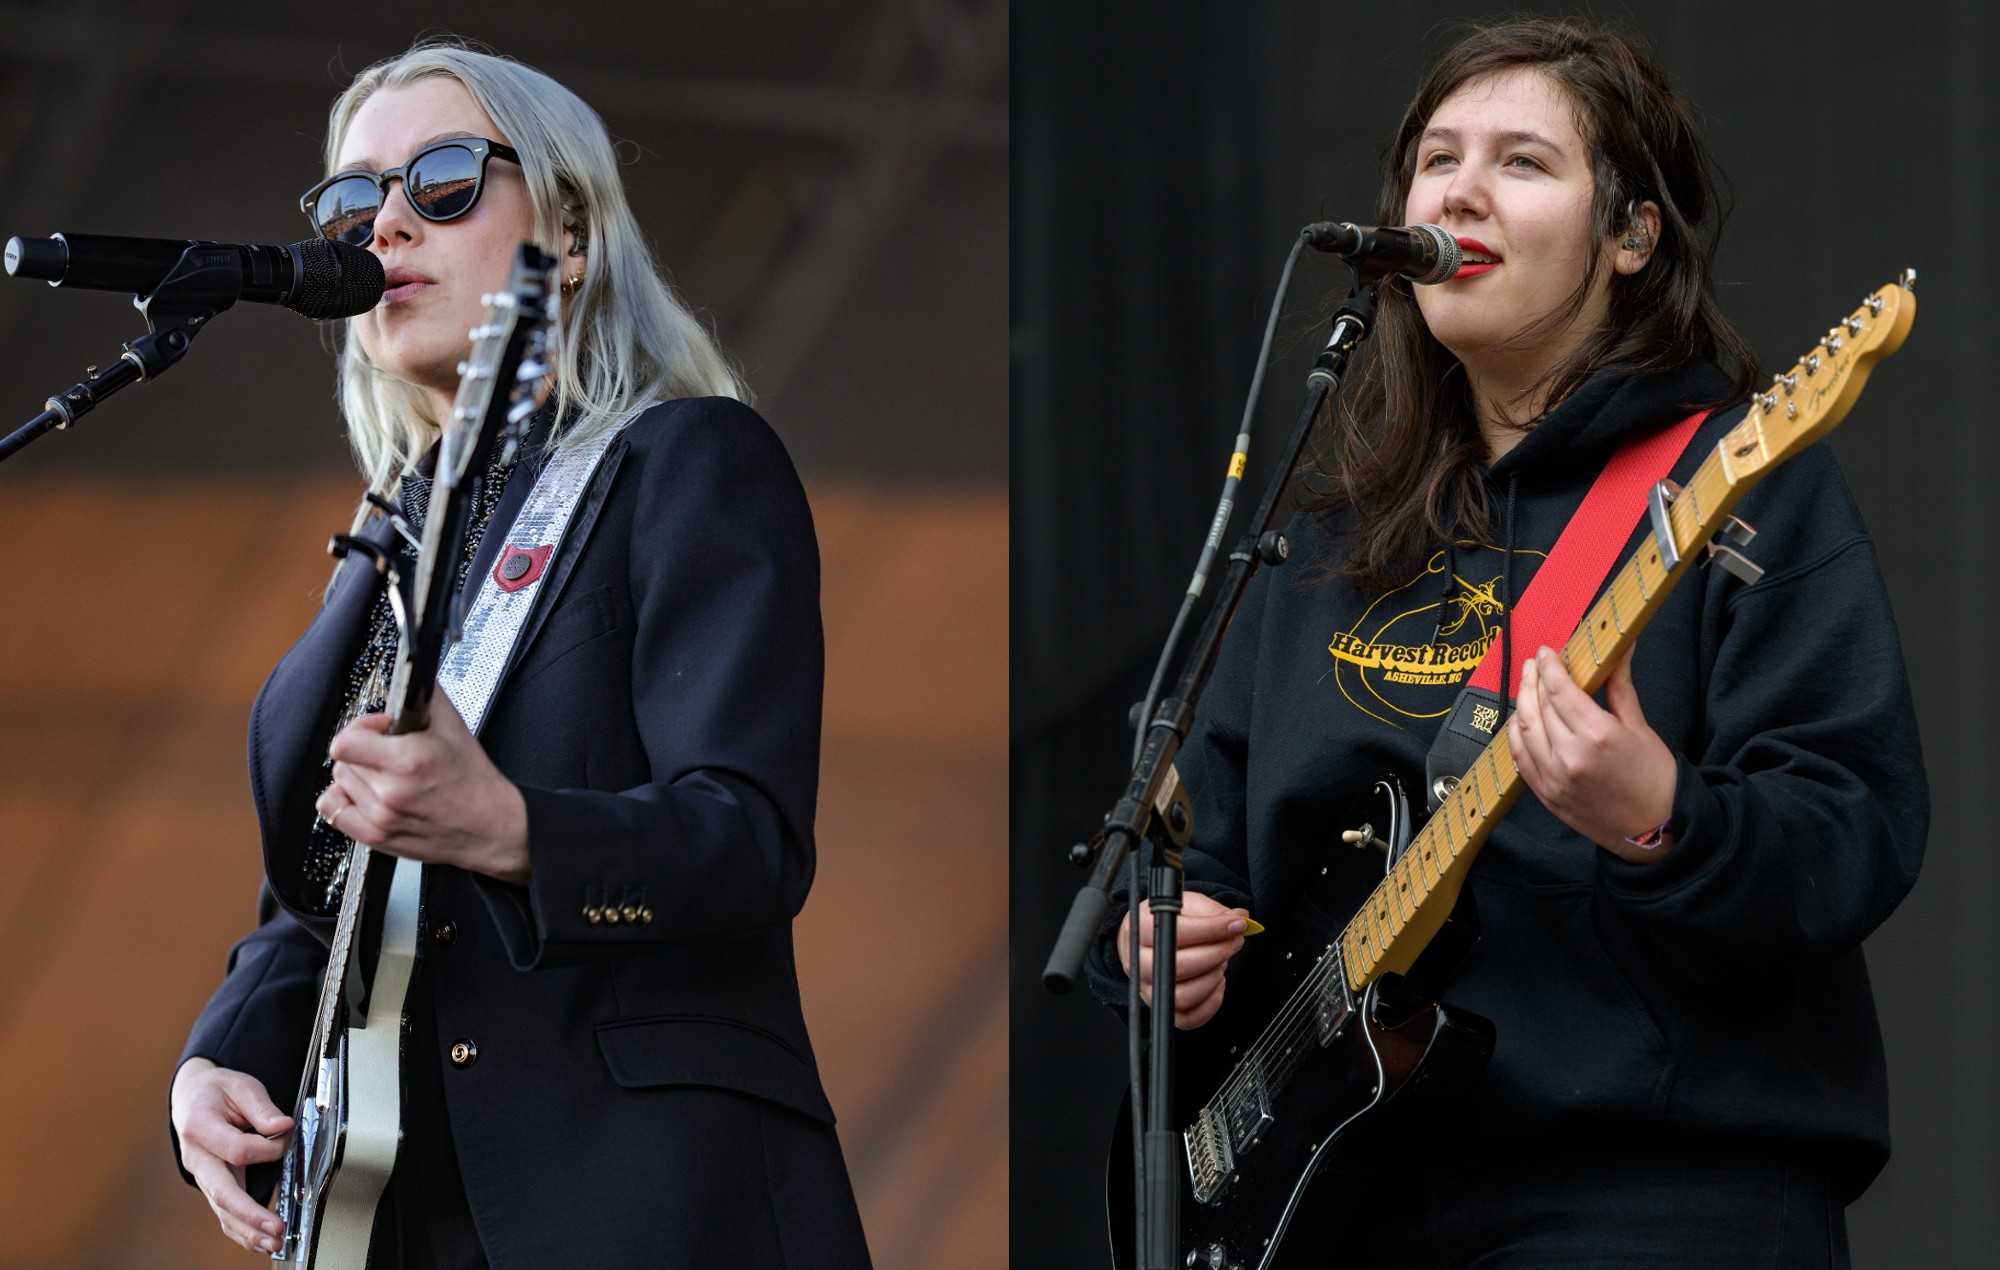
x=644 y=1093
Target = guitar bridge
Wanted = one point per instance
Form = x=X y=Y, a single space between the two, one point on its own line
x=1211 y=1160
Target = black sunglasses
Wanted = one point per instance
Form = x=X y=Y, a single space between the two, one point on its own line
x=441 y=181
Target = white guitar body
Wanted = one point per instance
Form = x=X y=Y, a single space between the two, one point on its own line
x=360 y=1127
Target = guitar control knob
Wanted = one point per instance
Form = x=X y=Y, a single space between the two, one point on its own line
x=1213 y=1257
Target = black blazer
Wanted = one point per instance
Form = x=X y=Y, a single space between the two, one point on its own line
x=644 y=1092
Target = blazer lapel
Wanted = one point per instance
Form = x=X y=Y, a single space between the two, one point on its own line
x=574 y=538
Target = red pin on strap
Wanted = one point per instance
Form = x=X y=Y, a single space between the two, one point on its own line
x=520 y=566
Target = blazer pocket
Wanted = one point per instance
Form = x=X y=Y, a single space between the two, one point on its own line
x=719 y=1053
x=575 y=622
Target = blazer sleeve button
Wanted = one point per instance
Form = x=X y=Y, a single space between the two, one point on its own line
x=630 y=913
x=593 y=915
x=611 y=913
x=645 y=915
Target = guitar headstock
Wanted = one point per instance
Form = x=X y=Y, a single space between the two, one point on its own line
x=1803 y=404
x=504 y=379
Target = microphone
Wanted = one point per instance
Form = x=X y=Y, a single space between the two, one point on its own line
x=1424 y=253
x=317 y=278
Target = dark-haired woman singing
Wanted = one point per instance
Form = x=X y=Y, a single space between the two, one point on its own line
x=1688 y=1070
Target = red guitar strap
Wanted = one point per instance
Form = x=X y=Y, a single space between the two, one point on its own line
x=1563 y=588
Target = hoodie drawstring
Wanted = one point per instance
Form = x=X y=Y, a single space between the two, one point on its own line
x=1450 y=577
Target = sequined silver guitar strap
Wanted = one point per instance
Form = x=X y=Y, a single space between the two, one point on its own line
x=472 y=667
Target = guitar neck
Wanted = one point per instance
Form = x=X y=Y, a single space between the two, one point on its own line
x=420 y=653
x=1410 y=905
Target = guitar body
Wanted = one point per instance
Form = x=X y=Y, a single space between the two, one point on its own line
x=350 y=1125
x=1351 y=1087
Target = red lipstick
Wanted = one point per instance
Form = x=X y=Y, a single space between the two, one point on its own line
x=1471 y=268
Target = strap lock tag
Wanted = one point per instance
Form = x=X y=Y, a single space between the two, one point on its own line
x=1474 y=721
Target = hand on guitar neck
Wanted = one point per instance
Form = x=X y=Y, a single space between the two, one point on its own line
x=1206 y=937
x=1604 y=773
x=432 y=796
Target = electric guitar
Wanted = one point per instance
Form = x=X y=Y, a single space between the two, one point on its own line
x=348 y=1116
x=1284 y=1116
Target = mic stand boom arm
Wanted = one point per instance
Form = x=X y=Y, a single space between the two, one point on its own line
x=1133 y=818
x=195 y=291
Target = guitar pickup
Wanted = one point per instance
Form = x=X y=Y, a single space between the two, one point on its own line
x=1249 y=1107
x=1333 y=1006
x=1211 y=1161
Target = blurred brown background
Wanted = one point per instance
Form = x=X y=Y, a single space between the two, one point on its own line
x=827 y=181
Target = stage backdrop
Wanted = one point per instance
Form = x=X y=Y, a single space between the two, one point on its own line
x=811 y=172
x=1164 y=158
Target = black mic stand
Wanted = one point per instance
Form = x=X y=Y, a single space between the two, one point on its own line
x=183 y=302
x=1154 y=788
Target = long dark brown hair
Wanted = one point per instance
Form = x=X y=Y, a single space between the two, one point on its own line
x=1407 y=454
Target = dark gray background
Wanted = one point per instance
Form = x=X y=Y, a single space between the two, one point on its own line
x=823 y=179
x=1164 y=156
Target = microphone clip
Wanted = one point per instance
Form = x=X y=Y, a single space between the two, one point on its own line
x=206 y=280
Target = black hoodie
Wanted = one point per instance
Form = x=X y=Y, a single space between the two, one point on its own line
x=1719 y=990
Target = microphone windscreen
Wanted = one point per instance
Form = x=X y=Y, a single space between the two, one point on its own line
x=1449 y=254
x=335 y=280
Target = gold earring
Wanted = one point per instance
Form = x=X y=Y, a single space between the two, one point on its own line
x=573 y=284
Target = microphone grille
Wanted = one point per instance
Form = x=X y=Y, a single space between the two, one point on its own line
x=1449 y=255
x=335 y=280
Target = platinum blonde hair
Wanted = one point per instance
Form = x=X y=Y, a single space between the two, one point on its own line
x=624 y=339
